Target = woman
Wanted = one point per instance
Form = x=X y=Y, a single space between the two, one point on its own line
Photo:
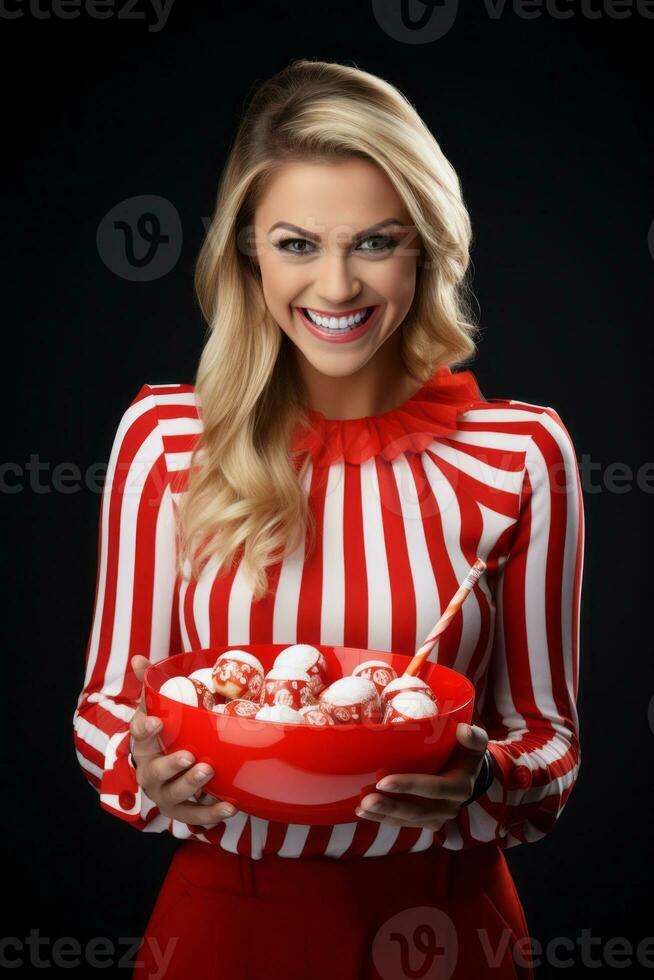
x=330 y=479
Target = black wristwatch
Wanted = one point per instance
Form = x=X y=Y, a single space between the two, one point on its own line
x=484 y=779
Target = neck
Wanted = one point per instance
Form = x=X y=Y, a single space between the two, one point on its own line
x=378 y=386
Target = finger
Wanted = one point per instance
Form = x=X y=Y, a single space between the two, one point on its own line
x=139 y=665
x=473 y=738
x=404 y=813
x=451 y=784
x=145 y=739
x=166 y=767
x=392 y=821
x=179 y=790
x=203 y=815
x=469 y=752
x=203 y=797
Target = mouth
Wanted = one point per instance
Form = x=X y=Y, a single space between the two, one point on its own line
x=338 y=327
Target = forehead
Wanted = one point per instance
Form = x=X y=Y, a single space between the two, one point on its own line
x=352 y=192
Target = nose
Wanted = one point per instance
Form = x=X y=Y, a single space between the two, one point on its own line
x=336 y=282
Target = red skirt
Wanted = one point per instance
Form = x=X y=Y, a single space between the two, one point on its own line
x=435 y=914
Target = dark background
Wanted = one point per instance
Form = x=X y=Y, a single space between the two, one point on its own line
x=548 y=122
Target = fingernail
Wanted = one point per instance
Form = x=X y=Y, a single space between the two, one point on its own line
x=388 y=787
x=228 y=810
x=185 y=762
x=151 y=725
x=201 y=774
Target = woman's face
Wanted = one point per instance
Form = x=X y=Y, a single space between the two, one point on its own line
x=335 y=241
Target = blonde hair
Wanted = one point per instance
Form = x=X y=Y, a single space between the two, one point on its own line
x=245 y=497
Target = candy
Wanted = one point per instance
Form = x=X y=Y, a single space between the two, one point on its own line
x=315 y=714
x=352 y=699
x=377 y=671
x=219 y=709
x=288 y=685
x=279 y=712
x=188 y=691
x=409 y=706
x=203 y=674
x=241 y=708
x=238 y=674
x=305 y=657
x=406 y=682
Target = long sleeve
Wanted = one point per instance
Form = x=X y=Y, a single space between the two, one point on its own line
x=133 y=611
x=529 y=710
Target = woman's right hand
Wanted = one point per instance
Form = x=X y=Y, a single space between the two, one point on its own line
x=170 y=780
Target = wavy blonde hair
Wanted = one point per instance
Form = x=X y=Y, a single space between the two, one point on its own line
x=245 y=496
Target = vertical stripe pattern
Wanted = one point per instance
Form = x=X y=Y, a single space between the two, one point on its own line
x=394 y=538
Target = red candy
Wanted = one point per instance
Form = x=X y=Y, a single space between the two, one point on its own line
x=409 y=706
x=296 y=690
x=352 y=700
x=187 y=690
x=290 y=686
x=241 y=708
x=303 y=656
x=377 y=671
x=406 y=682
x=315 y=714
x=238 y=674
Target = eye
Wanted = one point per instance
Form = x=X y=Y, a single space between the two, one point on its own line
x=384 y=243
x=284 y=242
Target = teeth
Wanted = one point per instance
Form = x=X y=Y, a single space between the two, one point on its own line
x=336 y=323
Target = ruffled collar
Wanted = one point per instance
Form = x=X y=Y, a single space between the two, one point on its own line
x=430 y=412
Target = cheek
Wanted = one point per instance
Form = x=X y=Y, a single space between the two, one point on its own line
x=398 y=286
x=396 y=280
x=280 y=283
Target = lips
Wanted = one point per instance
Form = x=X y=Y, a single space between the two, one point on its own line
x=341 y=336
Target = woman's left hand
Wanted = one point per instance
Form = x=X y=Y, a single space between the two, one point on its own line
x=438 y=798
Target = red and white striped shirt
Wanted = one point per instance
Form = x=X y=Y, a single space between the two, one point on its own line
x=404 y=503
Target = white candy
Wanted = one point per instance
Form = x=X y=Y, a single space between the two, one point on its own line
x=349 y=690
x=203 y=674
x=280 y=712
x=301 y=655
x=287 y=673
x=180 y=689
x=244 y=655
x=219 y=709
x=414 y=704
x=403 y=682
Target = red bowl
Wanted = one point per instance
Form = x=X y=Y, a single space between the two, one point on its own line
x=304 y=773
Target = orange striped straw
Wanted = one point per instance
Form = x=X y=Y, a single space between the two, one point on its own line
x=466 y=587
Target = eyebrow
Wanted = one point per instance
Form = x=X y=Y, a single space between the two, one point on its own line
x=316 y=238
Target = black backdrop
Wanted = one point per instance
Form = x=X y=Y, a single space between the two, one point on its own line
x=548 y=121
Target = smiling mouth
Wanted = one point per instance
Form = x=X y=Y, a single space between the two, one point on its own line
x=338 y=323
